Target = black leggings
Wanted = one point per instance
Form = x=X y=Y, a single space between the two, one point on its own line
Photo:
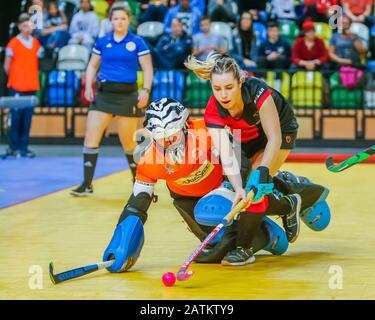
x=185 y=206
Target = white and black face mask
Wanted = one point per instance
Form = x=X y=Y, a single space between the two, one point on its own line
x=175 y=153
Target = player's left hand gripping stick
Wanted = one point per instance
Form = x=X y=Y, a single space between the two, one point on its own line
x=120 y=255
x=183 y=274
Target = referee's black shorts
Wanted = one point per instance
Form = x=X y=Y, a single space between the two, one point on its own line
x=117 y=98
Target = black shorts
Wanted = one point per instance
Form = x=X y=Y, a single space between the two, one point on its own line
x=251 y=147
x=118 y=99
x=185 y=206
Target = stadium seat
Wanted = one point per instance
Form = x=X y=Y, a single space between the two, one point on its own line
x=282 y=85
x=40 y=93
x=63 y=87
x=341 y=97
x=223 y=29
x=197 y=91
x=73 y=57
x=260 y=31
x=168 y=84
x=362 y=32
x=307 y=89
x=140 y=80
x=323 y=31
x=369 y=91
x=100 y=8
x=289 y=31
x=371 y=65
x=150 y=29
x=134 y=7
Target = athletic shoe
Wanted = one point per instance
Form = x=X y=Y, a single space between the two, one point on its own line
x=10 y=153
x=216 y=253
x=238 y=257
x=292 y=221
x=28 y=154
x=82 y=191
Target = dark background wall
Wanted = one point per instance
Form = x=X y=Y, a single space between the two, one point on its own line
x=9 y=11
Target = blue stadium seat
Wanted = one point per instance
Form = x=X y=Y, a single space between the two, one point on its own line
x=260 y=31
x=168 y=84
x=63 y=87
x=371 y=65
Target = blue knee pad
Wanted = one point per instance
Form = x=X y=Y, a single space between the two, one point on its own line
x=318 y=216
x=126 y=244
x=278 y=242
x=213 y=207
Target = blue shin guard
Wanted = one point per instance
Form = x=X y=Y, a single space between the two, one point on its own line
x=317 y=217
x=126 y=244
x=210 y=209
x=278 y=242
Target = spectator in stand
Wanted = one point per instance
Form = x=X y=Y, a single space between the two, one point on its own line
x=256 y=8
x=283 y=9
x=155 y=11
x=55 y=33
x=84 y=28
x=21 y=66
x=275 y=52
x=106 y=26
x=359 y=11
x=221 y=10
x=244 y=43
x=205 y=42
x=189 y=16
x=172 y=49
x=345 y=48
x=200 y=5
x=318 y=10
x=309 y=51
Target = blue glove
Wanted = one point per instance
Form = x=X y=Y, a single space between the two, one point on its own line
x=261 y=182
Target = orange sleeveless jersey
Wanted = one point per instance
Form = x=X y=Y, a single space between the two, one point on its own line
x=199 y=174
x=23 y=73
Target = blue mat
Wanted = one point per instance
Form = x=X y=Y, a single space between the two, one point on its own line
x=25 y=179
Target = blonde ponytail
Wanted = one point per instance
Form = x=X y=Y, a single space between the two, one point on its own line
x=215 y=63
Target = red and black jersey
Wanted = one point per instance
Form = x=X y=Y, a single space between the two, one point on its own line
x=254 y=92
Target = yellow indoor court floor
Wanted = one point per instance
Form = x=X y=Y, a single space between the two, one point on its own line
x=338 y=263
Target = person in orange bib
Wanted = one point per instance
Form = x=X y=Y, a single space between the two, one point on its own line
x=21 y=66
x=178 y=150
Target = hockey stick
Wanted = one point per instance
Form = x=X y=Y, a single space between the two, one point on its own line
x=183 y=274
x=19 y=102
x=78 y=272
x=331 y=166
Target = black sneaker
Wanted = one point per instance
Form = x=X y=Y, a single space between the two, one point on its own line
x=238 y=257
x=28 y=154
x=216 y=253
x=10 y=153
x=82 y=191
x=292 y=221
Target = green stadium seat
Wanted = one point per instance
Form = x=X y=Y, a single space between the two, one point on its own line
x=289 y=31
x=197 y=92
x=343 y=98
x=282 y=85
x=307 y=89
x=41 y=91
x=134 y=7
